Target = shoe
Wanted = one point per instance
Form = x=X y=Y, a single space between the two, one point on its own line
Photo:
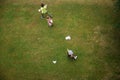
x=75 y=57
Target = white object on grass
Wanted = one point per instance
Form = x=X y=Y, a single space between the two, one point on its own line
x=68 y=38
x=54 y=62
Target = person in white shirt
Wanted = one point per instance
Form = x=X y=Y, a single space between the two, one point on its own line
x=71 y=54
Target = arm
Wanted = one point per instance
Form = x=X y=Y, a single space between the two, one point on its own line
x=39 y=10
x=45 y=6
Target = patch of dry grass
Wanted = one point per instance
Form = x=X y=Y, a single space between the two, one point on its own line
x=54 y=2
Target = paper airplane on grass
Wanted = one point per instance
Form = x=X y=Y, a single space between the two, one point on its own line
x=68 y=38
x=54 y=62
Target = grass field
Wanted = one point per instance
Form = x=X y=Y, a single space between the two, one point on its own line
x=28 y=46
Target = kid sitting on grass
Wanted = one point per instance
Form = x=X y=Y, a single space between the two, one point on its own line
x=71 y=55
x=49 y=21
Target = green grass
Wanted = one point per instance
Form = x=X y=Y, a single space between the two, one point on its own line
x=28 y=46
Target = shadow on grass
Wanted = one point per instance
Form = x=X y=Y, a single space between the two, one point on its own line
x=113 y=54
x=2 y=76
x=2 y=2
x=117 y=14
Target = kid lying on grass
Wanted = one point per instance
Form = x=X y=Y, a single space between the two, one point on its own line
x=71 y=54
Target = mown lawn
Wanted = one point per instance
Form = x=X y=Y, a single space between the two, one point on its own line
x=28 y=46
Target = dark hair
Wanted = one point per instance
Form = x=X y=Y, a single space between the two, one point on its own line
x=42 y=4
x=48 y=16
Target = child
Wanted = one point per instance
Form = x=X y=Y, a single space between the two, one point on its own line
x=49 y=21
x=43 y=10
x=71 y=55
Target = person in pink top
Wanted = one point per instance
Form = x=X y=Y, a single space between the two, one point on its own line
x=49 y=21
